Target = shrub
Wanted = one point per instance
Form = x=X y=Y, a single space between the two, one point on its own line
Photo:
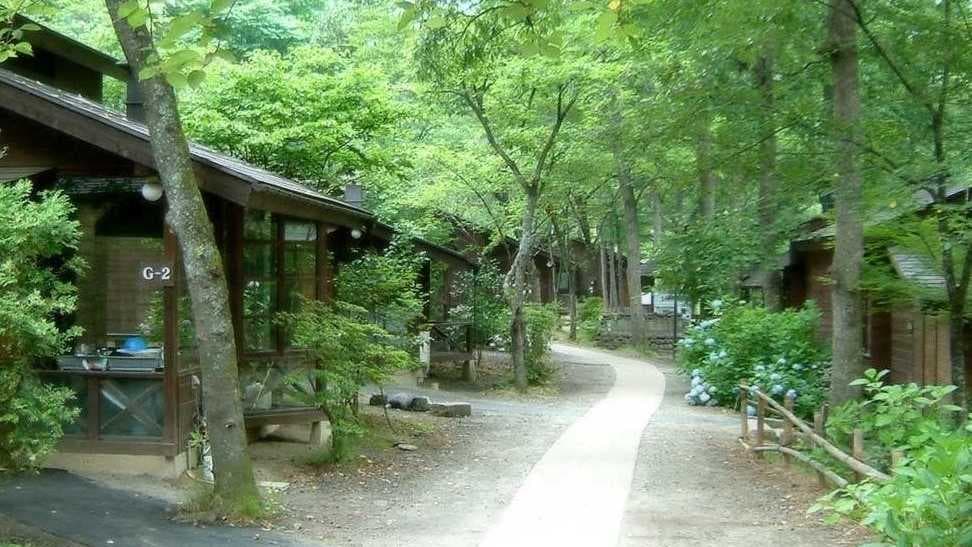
x=590 y=314
x=386 y=285
x=927 y=500
x=775 y=351
x=350 y=351
x=541 y=322
x=892 y=417
x=34 y=236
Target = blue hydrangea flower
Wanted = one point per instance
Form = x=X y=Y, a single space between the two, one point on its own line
x=704 y=397
x=797 y=367
x=710 y=341
x=777 y=389
x=775 y=376
x=791 y=394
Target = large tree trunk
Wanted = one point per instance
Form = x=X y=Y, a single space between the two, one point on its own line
x=703 y=164
x=613 y=293
x=524 y=256
x=605 y=280
x=632 y=237
x=848 y=362
x=234 y=483
x=657 y=217
x=768 y=200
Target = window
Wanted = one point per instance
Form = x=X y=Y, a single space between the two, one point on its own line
x=279 y=267
x=259 y=281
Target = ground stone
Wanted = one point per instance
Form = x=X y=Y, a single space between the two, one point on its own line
x=419 y=404
x=377 y=399
x=451 y=410
x=400 y=401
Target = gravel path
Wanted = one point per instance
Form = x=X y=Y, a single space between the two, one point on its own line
x=694 y=485
x=576 y=493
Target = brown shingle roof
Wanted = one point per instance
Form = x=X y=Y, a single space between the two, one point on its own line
x=916 y=268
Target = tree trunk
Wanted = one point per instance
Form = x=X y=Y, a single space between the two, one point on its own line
x=605 y=280
x=768 y=200
x=234 y=483
x=658 y=220
x=848 y=362
x=613 y=275
x=632 y=237
x=524 y=255
x=707 y=178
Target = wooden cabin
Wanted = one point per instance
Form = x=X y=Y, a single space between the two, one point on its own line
x=135 y=369
x=909 y=339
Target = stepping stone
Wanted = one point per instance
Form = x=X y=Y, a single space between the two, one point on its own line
x=377 y=399
x=419 y=404
x=451 y=410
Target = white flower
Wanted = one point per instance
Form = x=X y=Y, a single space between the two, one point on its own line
x=710 y=341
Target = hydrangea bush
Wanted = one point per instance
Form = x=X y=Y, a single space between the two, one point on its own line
x=775 y=351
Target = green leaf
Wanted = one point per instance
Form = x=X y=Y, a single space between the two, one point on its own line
x=127 y=8
x=138 y=18
x=408 y=15
x=149 y=71
x=436 y=22
x=176 y=80
x=196 y=77
x=219 y=6
x=859 y=382
x=23 y=47
x=604 y=26
x=180 y=26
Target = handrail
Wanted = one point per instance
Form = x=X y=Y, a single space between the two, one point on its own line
x=860 y=468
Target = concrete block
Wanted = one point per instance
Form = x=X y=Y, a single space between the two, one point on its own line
x=451 y=410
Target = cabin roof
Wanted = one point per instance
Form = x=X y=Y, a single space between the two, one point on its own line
x=74 y=50
x=915 y=268
x=241 y=182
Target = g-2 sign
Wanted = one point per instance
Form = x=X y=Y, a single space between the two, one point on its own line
x=159 y=274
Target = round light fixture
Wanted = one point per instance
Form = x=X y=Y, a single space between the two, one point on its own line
x=152 y=190
x=356 y=233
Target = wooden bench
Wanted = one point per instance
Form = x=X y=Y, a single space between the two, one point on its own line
x=256 y=419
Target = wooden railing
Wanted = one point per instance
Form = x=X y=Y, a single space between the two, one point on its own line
x=815 y=436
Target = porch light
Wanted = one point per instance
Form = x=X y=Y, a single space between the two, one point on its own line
x=152 y=190
x=356 y=233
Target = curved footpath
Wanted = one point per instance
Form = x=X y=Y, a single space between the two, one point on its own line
x=576 y=494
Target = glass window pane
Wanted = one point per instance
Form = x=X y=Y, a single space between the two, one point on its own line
x=258 y=226
x=259 y=305
x=300 y=231
x=131 y=407
x=258 y=260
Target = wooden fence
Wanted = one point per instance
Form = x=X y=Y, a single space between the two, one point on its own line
x=815 y=435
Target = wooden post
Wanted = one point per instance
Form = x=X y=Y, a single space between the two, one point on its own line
x=743 y=407
x=857 y=449
x=760 y=423
x=787 y=440
x=818 y=428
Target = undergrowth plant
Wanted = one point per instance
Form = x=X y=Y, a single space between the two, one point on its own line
x=541 y=322
x=589 y=314
x=928 y=500
x=776 y=352
x=34 y=236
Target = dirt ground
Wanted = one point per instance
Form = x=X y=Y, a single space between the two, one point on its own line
x=694 y=484
x=449 y=490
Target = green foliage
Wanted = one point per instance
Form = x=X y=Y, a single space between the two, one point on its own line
x=308 y=114
x=892 y=416
x=483 y=305
x=386 y=285
x=927 y=500
x=589 y=314
x=775 y=351
x=350 y=351
x=34 y=236
x=541 y=322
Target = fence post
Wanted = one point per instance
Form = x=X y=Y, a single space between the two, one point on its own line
x=818 y=428
x=744 y=409
x=787 y=440
x=857 y=449
x=760 y=422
